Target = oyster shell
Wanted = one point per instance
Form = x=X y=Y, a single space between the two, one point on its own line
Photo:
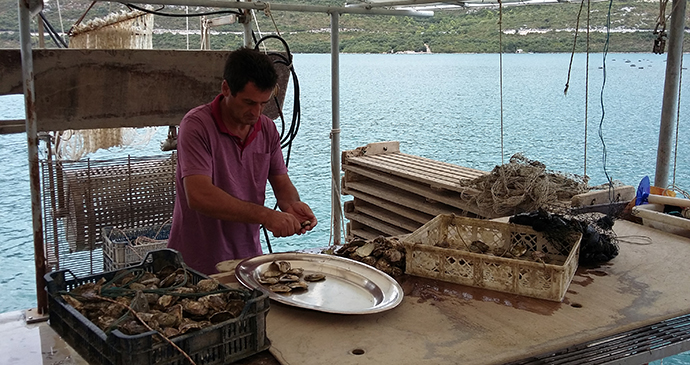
x=279 y=288
x=299 y=285
x=288 y=278
x=194 y=308
x=269 y=280
x=272 y=274
x=221 y=317
x=207 y=285
x=282 y=266
x=314 y=277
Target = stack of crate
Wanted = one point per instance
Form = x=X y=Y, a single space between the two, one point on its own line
x=396 y=193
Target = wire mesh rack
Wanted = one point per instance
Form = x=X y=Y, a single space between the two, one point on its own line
x=81 y=197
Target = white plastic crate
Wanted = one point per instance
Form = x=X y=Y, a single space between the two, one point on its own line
x=441 y=250
x=653 y=216
x=128 y=246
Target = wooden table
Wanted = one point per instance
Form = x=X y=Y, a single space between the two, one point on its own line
x=442 y=323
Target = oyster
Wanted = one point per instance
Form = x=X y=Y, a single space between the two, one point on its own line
x=166 y=319
x=214 y=302
x=221 y=317
x=518 y=250
x=73 y=302
x=194 y=308
x=167 y=300
x=299 y=285
x=288 y=278
x=189 y=325
x=279 y=288
x=314 y=277
x=207 y=285
x=235 y=307
x=295 y=271
x=479 y=247
x=269 y=280
x=170 y=332
x=282 y=266
x=272 y=274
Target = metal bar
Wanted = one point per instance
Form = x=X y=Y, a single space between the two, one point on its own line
x=670 y=100
x=32 y=149
x=378 y=4
x=12 y=126
x=637 y=346
x=335 y=129
x=260 y=5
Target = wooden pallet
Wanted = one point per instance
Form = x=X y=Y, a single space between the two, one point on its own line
x=396 y=193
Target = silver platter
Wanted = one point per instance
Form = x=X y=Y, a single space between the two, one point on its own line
x=350 y=287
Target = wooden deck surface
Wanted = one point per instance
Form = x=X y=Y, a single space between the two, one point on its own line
x=443 y=323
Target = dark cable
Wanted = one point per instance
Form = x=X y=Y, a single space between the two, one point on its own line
x=286 y=138
x=54 y=35
x=157 y=12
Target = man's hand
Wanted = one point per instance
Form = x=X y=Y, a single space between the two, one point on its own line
x=304 y=214
x=283 y=224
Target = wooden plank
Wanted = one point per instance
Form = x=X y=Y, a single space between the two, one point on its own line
x=435 y=173
x=620 y=194
x=412 y=213
x=91 y=88
x=376 y=224
x=387 y=216
x=442 y=170
x=94 y=88
x=419 y=208
x=451 y=198
x=370 y=149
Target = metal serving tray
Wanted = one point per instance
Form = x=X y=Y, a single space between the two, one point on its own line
x=350 y=287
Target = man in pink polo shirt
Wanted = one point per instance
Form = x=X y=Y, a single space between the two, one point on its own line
x=227 y=150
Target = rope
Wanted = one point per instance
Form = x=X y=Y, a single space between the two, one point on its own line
x=601 y=100
x=267 y=11
x=500 y=67
x=572 y=53
x=680 y=88
x=587 y=89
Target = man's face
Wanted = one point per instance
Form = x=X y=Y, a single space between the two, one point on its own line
x=246 y=106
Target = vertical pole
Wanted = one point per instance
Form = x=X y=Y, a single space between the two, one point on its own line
x=669 y=108
x=335 y=130
x=247 y=27
x=32 y=147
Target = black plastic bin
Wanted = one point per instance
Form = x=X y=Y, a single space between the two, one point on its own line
x=221 y=343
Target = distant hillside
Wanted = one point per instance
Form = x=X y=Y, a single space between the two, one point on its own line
x=534 y=28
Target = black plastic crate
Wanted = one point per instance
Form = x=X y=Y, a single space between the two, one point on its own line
x=221 y=343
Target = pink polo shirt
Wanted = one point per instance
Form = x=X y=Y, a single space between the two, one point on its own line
x=206 y=147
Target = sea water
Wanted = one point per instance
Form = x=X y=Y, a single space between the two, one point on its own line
x=461 y=109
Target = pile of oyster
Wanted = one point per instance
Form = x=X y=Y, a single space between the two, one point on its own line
x=384 y=253
x=281 y=277
x=167 y=301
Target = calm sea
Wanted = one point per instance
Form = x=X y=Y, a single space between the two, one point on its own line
x=443 y=107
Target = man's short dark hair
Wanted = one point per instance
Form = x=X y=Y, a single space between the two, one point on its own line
x=246 y=64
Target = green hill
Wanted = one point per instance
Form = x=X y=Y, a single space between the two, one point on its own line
x=533 y=28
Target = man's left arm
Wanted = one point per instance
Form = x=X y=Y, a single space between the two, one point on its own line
x=289 y=202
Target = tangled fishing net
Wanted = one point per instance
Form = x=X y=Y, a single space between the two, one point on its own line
x=541 y=199
x=599 y=243
x=522 y=185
